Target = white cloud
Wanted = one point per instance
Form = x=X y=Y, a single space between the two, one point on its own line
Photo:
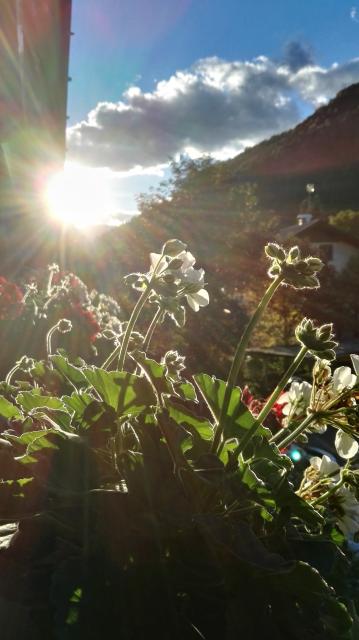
x=216 y=107
x=354 y=14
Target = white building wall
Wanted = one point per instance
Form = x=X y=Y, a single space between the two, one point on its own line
x=342 y=252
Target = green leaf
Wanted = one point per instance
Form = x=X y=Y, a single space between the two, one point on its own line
x=68 y=371
x=241 y=542
x=77 y=402
x=29 y=400
x=126 y=393
x=305 y=586
x=8 y=410
x=184 y=417
x=35 y=440
x=154 y=372
x=239 y=418
x=187 y=391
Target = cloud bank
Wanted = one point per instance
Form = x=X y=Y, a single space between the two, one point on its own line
x=215 y=107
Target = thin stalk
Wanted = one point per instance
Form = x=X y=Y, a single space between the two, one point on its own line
x=151 y=329
x=273 y=398
x=49 y=283
x=49 y=338
x=121 y=349
x=291 y=437
x=11 y=373
x=240 y=355
x=328 y=493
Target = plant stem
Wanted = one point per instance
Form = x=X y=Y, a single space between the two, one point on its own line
x=150 y=331
x=292 y=436
x=240 y=355
x=48 y=339
x=121 y=349
x=273 y=398
x=328 y=493
x=11 y=373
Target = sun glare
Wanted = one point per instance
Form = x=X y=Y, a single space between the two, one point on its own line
x=80 y=197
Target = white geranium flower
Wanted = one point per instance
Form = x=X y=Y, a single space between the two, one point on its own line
x=348 y=504
x=197 y=300
x=343 y=379
x=188 y=260
x=325 y=466
x=355 y=362
x=296 y=399
x=158 y=262
x=193 y=279
x=346 y=446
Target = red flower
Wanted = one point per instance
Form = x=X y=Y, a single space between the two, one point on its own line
x=87 y=320
x=11 y=300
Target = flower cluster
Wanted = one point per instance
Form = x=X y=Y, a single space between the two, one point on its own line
x=172 y=278
x=332 y=399
x=174 y=364
x=294 y=271
x=325 y=478
x=318 y=340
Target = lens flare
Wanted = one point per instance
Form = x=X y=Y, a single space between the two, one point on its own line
x=80 y=197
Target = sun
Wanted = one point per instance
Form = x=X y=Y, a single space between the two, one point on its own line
x=79 y=196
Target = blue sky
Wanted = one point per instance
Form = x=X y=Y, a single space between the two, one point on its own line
x=135 y=66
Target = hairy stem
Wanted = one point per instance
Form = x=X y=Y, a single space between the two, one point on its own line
x=240 y=355
x=11 y=373
x=328 y=493
x=273 y=398
x=291 y=437
x=121 y=349
x=49 y=335
x=151 y=329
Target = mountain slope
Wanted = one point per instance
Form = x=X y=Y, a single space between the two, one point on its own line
x=323 y=149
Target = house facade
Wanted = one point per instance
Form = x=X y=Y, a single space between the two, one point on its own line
x=334 y=246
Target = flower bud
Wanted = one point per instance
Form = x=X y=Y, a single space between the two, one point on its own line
x=326 y=330
x=319 y=341
x=274 y=250
x=176 y=263
x=293 y=254
x=26 y=364
x=173 y=248
x=315 y=263
x=64 y=325
x=321 y=370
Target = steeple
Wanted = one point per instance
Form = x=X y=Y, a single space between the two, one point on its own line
x=310 y=207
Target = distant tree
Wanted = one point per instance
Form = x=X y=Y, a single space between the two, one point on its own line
x=346 y=220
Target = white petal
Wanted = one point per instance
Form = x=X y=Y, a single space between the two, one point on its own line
x=192 y=303
x=306 y=391
x=343 y=379
x=316 y=462
x=325 y=466
x=194 y=276
x=188 y=261
x=328 y=466
x=201 y=297
x=155 y=259
x=283 y=398
x=355 y=361
x=346 y=446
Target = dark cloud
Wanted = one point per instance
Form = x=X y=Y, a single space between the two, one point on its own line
x=214 y=106
x=297 y=56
